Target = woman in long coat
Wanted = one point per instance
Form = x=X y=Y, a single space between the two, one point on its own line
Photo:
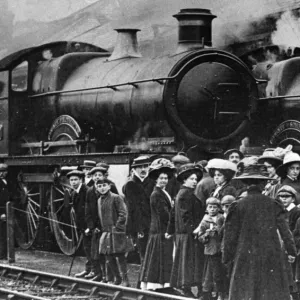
x=189 y=211
x=252 y=245
x=157 y=265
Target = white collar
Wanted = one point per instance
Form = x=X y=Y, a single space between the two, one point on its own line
x=87 y=179
x=291 y=178
x=4 y=180
x=78 y=189
x=137 y=175
x=290 y=207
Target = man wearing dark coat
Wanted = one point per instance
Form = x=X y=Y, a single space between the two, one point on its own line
x=137 y=193
x=251 y=244
x=4 y=198
x=76 y=201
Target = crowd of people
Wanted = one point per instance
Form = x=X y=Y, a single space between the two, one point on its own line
x=229 y=227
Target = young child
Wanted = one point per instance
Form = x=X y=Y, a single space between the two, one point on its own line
x=208 y=233
x=225 y=203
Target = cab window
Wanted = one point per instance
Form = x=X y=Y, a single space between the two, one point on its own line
x=19 y=77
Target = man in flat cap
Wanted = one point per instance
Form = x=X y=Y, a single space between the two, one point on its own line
x=4 y=198
x=76 y=199
x=86 y=167
x=137 y=193
x=113 y=187
x=234 y=155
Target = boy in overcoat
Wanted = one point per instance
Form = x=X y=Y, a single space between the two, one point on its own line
x=114 y=242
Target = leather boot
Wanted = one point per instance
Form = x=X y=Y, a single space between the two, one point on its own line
x=123 y=268
x=112 y=264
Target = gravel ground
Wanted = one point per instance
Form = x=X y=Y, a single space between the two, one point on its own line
x=59 y=263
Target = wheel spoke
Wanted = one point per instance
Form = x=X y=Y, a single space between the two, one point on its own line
x=59 y=199
x=32 y=195
x=31 y=215
x=33 y=202
x=57 y=189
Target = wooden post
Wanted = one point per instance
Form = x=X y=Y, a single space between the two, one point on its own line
x=10 y=233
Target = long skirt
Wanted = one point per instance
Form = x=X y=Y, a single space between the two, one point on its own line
x=158 y=261
x=188 y=262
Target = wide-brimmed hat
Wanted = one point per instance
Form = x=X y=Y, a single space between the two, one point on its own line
x=141 y=160
x=230 y=151
x=217 y=163
x=180 y=158
x=103 y=165
x=88 y=164
x=270 y=154
x=287 y=189
x=77 y=173
x=255 y=171
x=161 y=165
x=189 y=168
x=289 y=158
x=97 y=169
x=3 y=167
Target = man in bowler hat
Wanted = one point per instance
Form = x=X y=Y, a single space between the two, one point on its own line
x=137 y=193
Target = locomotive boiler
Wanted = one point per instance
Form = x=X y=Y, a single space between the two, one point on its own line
x=63 y=102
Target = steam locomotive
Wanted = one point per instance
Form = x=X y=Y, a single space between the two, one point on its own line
x=64 y=102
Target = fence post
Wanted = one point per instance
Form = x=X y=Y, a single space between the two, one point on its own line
x=10 y=233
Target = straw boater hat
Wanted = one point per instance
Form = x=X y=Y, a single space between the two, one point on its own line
x=103 y=165
x=97 y=169
x=180 y=158
x=189 y=168
x=230 y=151
x=140 y=161
x=161 y=165
x=88 y=164
x=77 y=173
x=286 y=189
x=213 y=200
x=289 y=158
x=255 y=171
x=221 y=164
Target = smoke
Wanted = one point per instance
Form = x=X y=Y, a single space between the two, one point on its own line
x=288 y=30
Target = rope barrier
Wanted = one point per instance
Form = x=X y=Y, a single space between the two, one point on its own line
x=45 y=218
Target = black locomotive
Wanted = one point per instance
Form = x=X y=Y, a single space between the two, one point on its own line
x=65 y=102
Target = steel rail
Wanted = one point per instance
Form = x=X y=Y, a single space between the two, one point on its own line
x=91 y=288
x=13 y=295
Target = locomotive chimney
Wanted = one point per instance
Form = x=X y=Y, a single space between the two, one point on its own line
x=126 y=45
x=194 y=29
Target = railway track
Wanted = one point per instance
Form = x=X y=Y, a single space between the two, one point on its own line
x=66 y=287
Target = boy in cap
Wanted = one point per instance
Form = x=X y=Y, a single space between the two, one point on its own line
x=86 y=167
x=287 y=195
x=137 y=193
x=208 y=234
x=98 y=265
x=105 y=166
x=4 y=198
x=226 y=202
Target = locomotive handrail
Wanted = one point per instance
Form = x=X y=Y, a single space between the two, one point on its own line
x=280 y=97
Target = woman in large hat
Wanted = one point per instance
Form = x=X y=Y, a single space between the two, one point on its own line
x=222 y=171
x=272 y=160
x=289 y=171
x=157 y=265
x=252 y=248
x=189 y=211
